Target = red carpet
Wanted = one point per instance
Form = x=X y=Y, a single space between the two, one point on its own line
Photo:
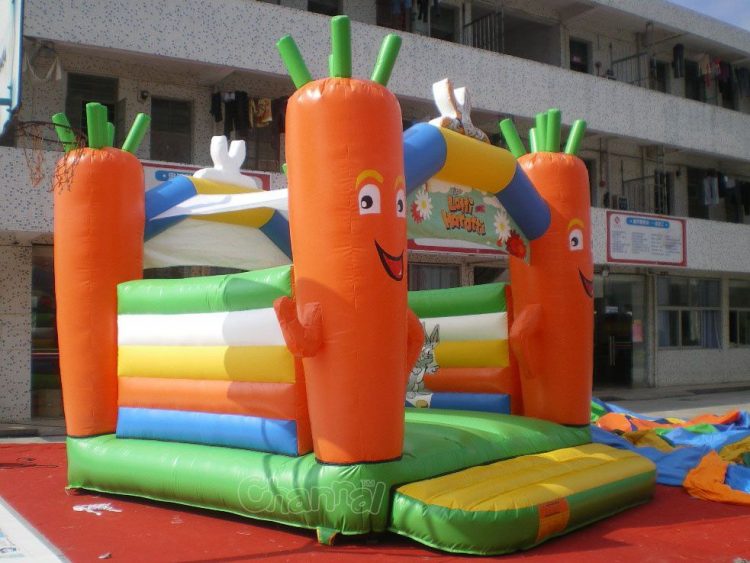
x=674 y=527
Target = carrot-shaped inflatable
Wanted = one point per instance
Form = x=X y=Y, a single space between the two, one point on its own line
x=347 y=214
x=552 y=332
x=99 y=217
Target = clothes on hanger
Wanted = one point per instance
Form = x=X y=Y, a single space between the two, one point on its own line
x=710 y=190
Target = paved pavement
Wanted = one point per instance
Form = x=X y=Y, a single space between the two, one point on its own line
x=679 y=402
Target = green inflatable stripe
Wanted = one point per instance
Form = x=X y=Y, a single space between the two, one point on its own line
x=299 y=491
x=496 y=533
x=471 y=300
x=210 y=294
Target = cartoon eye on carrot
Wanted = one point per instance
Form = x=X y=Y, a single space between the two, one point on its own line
x=552 y=334
x=349 y=319
x=99 y=221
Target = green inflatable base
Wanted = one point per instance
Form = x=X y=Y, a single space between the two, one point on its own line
x=299 y=491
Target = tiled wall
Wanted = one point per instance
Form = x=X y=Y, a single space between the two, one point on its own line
x=15 y=331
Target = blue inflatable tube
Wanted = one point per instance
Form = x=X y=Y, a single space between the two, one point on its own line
x=522 y=202
x=277 y=230
x=482 y=402
x=425 y=152
x=163 y=197
x=231 y=430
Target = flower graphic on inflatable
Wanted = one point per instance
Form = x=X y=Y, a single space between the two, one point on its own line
x=421 y=209
x=502 y=226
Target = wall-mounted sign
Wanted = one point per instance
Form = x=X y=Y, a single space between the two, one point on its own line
x=467 y=220
x=635 y=238
x=159 y=172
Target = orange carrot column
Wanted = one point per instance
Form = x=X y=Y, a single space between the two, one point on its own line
x=553 y=328
x=99 y=220
x=347 y=215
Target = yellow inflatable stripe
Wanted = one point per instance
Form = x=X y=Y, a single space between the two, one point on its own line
x=472 y=354
x=204 y=186
x=273 y=364
x=254 y=218
x=529 y=480
x=470 y=162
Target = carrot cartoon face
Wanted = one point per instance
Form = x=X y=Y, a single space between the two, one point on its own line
x=347 y=216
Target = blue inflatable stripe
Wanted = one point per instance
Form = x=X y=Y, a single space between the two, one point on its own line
x=231 y=430
x=424 y=154
x=277 y=229
x=163 y=197
x=523 y=203
x=483 y=402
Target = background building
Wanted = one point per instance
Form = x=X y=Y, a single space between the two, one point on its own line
x=665 y=91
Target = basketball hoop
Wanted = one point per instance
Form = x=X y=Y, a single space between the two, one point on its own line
x=42 y=148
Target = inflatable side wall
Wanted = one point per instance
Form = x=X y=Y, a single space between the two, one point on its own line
x=203 y=360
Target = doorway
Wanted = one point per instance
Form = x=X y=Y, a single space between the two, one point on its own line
x=619 y=330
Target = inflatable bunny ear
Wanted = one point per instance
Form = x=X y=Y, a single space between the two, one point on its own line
x=227 y=164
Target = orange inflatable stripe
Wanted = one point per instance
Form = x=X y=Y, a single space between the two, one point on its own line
x=471 y=380
x=269 y=400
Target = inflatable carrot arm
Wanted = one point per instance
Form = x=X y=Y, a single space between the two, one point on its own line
x=303 y=337
x=525 y=327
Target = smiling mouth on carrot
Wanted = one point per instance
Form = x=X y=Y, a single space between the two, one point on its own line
x=393 y=265
x=588 y=285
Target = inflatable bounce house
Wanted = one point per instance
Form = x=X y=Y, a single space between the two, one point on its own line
x=279 y=394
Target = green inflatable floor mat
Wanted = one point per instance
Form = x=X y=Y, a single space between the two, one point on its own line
x=299 y=491
x=518 y=503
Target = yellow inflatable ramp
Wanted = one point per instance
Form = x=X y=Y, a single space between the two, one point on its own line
x=519 y=503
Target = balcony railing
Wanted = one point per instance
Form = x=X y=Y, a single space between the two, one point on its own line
x=485 y=33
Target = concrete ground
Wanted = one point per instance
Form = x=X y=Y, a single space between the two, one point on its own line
x=679 y=402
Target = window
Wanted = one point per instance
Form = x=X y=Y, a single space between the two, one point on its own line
x=171 y=130
x=739 y=313
x=180 y=272
x=689 y=312
x=433 y=276
x=487 y=274
x=82 y=89
x=659 y=73
x=46 y=397
x=443 y=22
x=325 y=7
x=579 y=56
x=394 y=15
x=663 y=188
x=694 y=85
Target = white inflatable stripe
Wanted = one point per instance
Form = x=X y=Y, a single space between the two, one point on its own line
x=257 y=327
x=487 y=326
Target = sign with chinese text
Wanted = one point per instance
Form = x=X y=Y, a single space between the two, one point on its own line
x=634 y=238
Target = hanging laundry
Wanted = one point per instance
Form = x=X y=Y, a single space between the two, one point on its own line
x=710 y=190
x=262 y=113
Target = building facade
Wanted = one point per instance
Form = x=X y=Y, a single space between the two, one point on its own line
x=665 y=92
